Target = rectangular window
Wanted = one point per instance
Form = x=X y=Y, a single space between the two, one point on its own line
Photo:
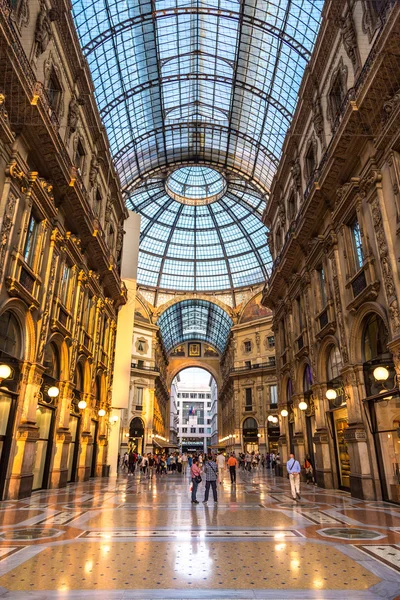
x=201 y=429
x=357 y=244
x=322 y=286
x=193 y=430
x=139 y=398
x=273 y=394
x=64 y=284
x=248 y=399
x=247 y=346
x=208 y=404
x=336 y=96
x=179 y=395
x=271 y=341
x=247 y=364
x=208 y=395
x=140 y=364
x=271 y=360
x=184 y=429
x=208 y=429
x=31 y=240
x=79 y=155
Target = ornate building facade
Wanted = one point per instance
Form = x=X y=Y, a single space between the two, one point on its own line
x=61 y=232
x=334 y=237
x=247 y=401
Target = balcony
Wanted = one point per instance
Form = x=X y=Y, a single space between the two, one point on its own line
x=364 y=286
x=145 y=368
x=254 y=367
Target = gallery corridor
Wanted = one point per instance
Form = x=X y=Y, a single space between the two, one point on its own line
x=132 y=538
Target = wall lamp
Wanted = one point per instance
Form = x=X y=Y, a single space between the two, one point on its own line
x=303 y=405
x=102 y=412
x=53 y=391
x=284 y=412
x=82 y=404
x=6 y=372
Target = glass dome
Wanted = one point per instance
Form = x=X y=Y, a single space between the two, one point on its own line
x=212 y=247
x=195 y=185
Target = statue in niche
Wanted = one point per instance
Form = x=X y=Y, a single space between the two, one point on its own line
x=94 y=169
x=296 y=173
x=43 y=32
x=73 y=115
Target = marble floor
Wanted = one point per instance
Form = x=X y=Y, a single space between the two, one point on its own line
x=141 y=538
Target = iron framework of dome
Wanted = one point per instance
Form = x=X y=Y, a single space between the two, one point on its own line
x=210 y=82
x=213 y=247
x=195 y=320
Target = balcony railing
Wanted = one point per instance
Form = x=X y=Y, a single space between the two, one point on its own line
x=253 y=367
x=144 y=367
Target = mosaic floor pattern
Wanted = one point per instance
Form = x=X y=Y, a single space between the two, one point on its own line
x=132 y=538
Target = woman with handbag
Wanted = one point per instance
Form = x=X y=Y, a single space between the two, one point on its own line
x=196 y=479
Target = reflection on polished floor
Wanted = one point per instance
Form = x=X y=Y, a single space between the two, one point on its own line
x=141 y=538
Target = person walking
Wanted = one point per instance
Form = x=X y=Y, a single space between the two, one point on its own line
x=232 y=464
x=293 y=469
x=248 y=461
x=211 y=472
x=196 y=479
x=221 y=467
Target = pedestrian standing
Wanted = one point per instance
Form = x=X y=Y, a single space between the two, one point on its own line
x=211 y=472
x=309 y=470
x=293 y=469
x=248 y=461
x=232 y=464
x=221 y=467
x=184 y=463
x=196 y=479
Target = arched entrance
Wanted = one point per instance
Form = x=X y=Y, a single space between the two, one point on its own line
x=250 y=435
x=136 y=435
x=193 y=408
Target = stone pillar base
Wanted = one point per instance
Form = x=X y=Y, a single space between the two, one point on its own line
x=83 y=474
x=58 y=478
x=20 y=486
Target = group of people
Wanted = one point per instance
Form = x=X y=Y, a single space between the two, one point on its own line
x=214 y=468
x=251 y=460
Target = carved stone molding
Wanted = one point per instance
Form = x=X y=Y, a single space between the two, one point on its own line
x=390 y=105
x=349 y=38
x=366 y=186
x=318 y=121
x=339 y=309
x=8 y=220
x=47 y=308
x=370 y=20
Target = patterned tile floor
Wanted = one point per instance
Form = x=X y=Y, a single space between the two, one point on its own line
x=132 y=538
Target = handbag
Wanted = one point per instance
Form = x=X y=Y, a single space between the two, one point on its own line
x=198 y=479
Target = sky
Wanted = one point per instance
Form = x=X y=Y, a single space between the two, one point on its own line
x=194 y=376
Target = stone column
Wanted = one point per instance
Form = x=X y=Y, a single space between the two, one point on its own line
x=23 y=448
x=322 y=440
x=114 y=441
x=86 y=440
x=62 y=440
x=299 y=427
x=362 y=483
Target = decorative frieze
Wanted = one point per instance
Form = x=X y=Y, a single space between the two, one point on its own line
x=6 y=227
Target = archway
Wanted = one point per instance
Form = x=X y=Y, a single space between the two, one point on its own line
x=136 y=435
x=250 y=435
x=193 y=409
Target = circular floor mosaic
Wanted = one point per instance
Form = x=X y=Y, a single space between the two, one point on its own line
x=349 y=533
x=30 y=533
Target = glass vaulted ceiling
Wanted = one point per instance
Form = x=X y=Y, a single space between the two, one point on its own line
x=211 y=82
x=195 y=320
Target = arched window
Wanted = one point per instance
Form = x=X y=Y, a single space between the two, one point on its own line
x=10 y=335
x=334 y=364
x=375 y=338
x=289 y=391
x=52 y=361
x=250 y=423
x=307 y=379
x=97 y=389
x=79 y=378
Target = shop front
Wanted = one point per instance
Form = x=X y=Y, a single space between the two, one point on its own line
x=136 y=435
x=337 y=417
x=46 y=417
x=382 y=405
x=10 y=360
x=250 y=435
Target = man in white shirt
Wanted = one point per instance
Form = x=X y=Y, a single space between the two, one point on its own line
x=293 y=469
x=221 y=467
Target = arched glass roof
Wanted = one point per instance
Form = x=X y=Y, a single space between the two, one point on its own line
x=202 y=81
x=214 y=247
x=195 y=320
